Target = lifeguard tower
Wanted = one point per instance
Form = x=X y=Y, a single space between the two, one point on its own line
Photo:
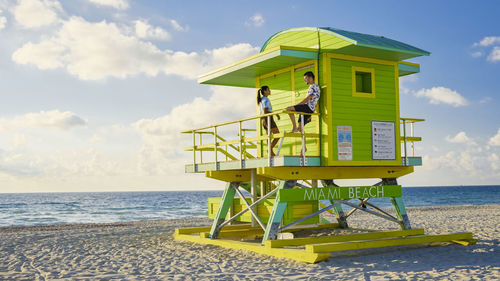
x=356 y=133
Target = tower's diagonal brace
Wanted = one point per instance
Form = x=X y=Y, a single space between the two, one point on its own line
x=224 y=222
x=273 y=224
x=250 y=208
x=368 y=211
x=363 y=202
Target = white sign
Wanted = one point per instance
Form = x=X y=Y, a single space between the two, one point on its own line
x=383 y=140
x=344 y=142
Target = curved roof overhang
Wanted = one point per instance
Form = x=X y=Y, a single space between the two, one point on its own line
x=244 y=72
x=359 y=44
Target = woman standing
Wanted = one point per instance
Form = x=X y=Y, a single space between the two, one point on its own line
x=265 y=107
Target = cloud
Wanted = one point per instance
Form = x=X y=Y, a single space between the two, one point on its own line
x=146 y=31
x=163 y=144
x=256 y=20
x=403 y=81
x=94 y=51
x=3 y=21
x=45 y=55
x=461 y=137
x=494 y=161
x=37 y=13
x=494 y=56
x=477 y=54
x=486 y=100
x=178 y=27
x=488 y=41
x=495 y=140
x=20 y=165
x=438 y=95
x=45 y=119
x=117 y=4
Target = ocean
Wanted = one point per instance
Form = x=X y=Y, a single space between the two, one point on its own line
x=106 y=207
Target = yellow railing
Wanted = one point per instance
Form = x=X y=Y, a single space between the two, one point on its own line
x=411 y=138
x=242 y=143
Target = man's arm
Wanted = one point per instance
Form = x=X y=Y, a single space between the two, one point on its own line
x=306 y=100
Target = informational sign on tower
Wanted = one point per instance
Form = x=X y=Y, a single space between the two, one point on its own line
x=383 y=140
x=344 y=142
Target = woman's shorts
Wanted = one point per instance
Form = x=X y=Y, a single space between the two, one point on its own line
x=303 y=108
x=264 y=123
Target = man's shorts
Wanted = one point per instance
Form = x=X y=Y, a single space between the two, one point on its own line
x=264 y=123
x=303 y=108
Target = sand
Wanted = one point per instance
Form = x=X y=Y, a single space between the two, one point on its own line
x=145 y=250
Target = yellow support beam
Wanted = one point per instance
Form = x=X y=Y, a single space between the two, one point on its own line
x=298 y=255
x=411 y=139
x=389 y=242
x=342 y=238
x=298 y=173
x=234 y=176
x=207 y=228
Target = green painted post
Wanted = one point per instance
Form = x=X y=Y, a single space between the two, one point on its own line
x=225 y=203
x=399 y=207
x=339 y=213
x=276 y=216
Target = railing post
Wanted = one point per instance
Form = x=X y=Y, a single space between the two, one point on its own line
x=194 y=151
x=412 y=143
x=215 y=147
x=269 y=149
x=404 y=139
x=303 y=150
x=201 y=151
x=241 y=145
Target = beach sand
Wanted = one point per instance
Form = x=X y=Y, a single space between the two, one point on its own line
x=145 y=250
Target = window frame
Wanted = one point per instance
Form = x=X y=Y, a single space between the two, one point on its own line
x=366 y=70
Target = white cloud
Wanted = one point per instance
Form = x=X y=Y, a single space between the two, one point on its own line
x=162 y=141
x=45 y=119
x=461 y=137
x=494 y=161
x=37 y=13
x=3 y=21
x=93 y=51
x=477 y=54
x=438 y=95
x=495 y=140
x=178 y=27
x=486 y=100
x=45 y=55
x=403 y=81
x=488 y=41
x=145 y=31
x=117 y=4
x=256 y=20
x=17 y=140
x=494 y=56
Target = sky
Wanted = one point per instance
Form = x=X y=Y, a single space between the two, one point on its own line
x=94 y=93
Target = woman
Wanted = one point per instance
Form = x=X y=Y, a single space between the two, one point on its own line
x=265 y=107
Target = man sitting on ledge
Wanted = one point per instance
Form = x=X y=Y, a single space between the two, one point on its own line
x=307 y=105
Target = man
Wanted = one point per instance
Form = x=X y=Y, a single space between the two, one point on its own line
x=307 y=105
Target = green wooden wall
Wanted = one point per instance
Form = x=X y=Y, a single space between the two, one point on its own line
x=358 y=112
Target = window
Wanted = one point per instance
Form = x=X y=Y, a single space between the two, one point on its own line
x=363 y=82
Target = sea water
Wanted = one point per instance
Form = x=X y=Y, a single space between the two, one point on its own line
x=107 y=207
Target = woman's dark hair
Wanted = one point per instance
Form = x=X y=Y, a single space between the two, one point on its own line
x=259 y=93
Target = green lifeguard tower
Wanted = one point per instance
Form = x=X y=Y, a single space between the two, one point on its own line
x=355 y=133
